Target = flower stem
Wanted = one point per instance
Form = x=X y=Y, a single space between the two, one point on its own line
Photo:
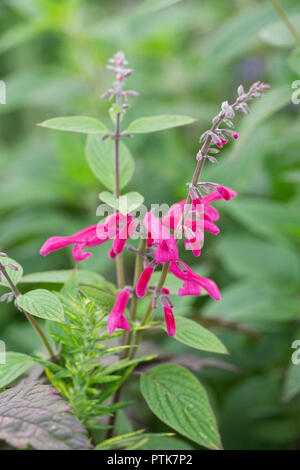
x=286 y=21
x=29 y=317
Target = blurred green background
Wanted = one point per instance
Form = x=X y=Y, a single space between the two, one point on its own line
x=188 y=56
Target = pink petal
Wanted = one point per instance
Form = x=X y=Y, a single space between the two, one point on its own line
x=143 y=281
x=170 y=320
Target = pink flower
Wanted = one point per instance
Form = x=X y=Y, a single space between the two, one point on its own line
x=159 y=234
x=193 y=282
x=170 y=320
x=124 y=233
x=143 y=281
x=85 y=238
x=116 y=317
x=166 y=251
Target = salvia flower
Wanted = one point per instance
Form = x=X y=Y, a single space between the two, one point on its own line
x=116 y=317
x=169 y=320
x=142 y=285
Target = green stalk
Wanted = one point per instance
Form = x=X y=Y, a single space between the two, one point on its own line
x=286 y=21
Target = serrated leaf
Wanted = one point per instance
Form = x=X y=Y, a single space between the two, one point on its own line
x=15 y=365
x=35 y=414
x=83 y=124
x=177 y=398
x=125 y=204
x=14 y=275
x=43 y=304
x=101 y=159
x=158 y=123
x=196 y=336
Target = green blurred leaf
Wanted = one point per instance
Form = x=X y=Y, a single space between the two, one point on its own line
x=43 y=304
x=278 y=34
x=149 y=6
x=101 y=159
x=15 y=365
x=61 y=276
x=194 y=335
x=180 y=401
x=158 y=123
x=254 y=301
x=266 y=217
x=84 y=124
x=247 y=256
x=294 y=61
x=125 y=204
x=14 y=275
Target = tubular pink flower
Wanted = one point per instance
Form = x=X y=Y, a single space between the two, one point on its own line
x=191 y=278
x=170 y=320
x=166 y=251
x=216 y=195
x=116 y=317
x=85 y=238
x=190 y=288
x=123 y=235
x=143 y=281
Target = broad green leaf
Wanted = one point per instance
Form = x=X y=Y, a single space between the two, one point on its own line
x=43 y=304
x=104 y=300
x=14 y=275
x=84 y=124
x=249 y=256
x=196 y=336
x=61 y=276
x=294 y=61
x=149 y=6
x=101 y=159
x=177 y=398
x=239 y=33
x=32 y=414
x=125 y=204
x=15 y=365
x=254 y=301
x=278 y=33
x=292 y=382
x=158 y=123
x=266 y=217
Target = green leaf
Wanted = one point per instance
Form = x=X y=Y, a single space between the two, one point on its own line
x=128 y=441
x=35 y=414
x=266 y=217
x=294 y=61
x=84 y=124
x=43 y=304
x=61 y=276
x=180 y=401
x=149 y=6
x=125 y=204
x=278 y=33
x=254 y=301
x=101 y=159
x=292 y=381
x=102 y=299
x=15 y=365
x=14 y=275
x=194 y=335
x=158 y=123
x=249 y=256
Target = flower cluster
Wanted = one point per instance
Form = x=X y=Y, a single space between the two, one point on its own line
x=189 y=218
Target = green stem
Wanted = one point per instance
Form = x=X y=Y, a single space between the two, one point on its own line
x=29 y=317
x=286 y=21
